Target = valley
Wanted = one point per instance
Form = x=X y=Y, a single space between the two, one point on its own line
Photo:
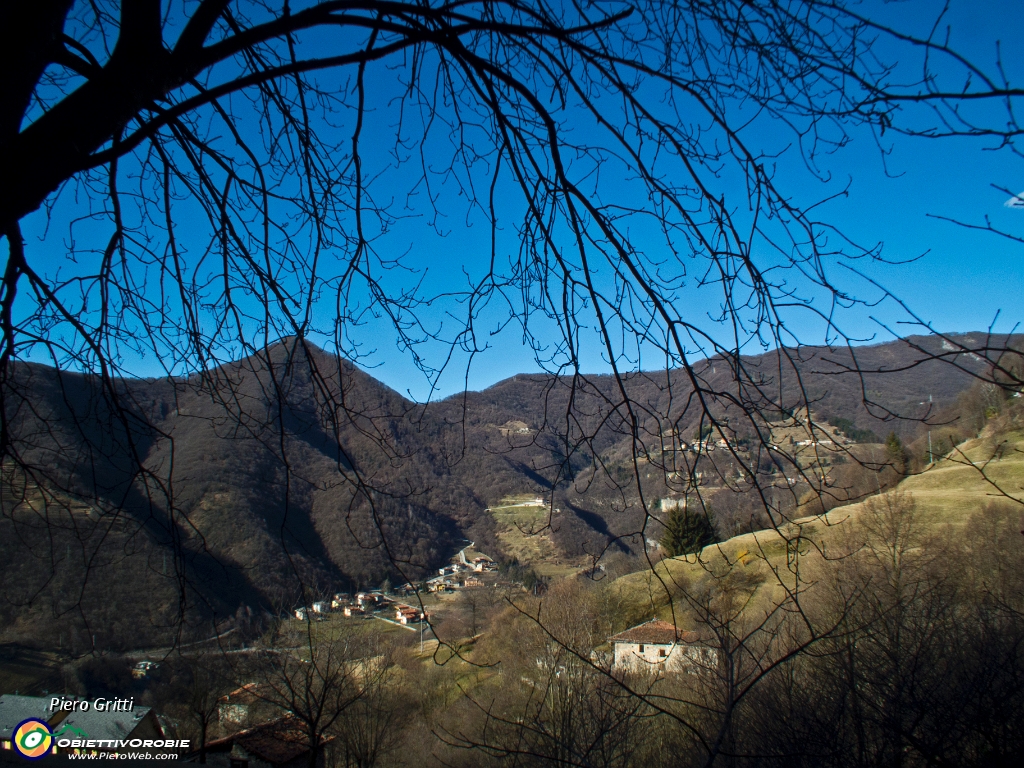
x=509 y=582
x=293 y=467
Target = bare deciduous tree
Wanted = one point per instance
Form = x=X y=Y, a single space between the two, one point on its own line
x=334 y=686
x=229 y=160
x=222 y=175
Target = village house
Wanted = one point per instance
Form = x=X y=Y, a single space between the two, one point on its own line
x=234 y=709
x=657 y=646
x=143 y=668
x=281 y=743
x=321 y=606
x=339 y=601
x=369 y=601
x=443 y=584
x=137 y=723
x=353 y=610
x=406 y=614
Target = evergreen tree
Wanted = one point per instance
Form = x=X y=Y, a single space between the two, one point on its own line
x=896 y=452
x=688 y=532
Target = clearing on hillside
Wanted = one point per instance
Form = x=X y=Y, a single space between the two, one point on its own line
x=525 y=534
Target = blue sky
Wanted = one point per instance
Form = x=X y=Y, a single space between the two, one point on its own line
x=957 y=280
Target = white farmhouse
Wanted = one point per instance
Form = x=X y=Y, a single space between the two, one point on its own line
x=657 y=646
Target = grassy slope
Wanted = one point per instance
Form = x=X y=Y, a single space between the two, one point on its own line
x=525 y=535
x=947 y=494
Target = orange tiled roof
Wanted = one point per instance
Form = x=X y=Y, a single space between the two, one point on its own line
x=655 y=632
x=244 y=695
x=276 y=742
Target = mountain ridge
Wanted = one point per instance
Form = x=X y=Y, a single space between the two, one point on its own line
x=248 y=472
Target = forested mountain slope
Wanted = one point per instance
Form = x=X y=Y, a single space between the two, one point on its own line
x=206 y=494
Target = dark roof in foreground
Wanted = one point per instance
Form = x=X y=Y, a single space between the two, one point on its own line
x=655 y=632
x=277 y=742
x=106 y=725
x=14 y=709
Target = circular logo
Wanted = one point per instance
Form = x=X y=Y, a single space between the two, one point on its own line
x=32 y=739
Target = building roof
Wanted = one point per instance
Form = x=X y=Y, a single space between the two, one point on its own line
x=245 y=695
x=16 y=709
x=106 y=725
x=655 y=632
x=276 y=742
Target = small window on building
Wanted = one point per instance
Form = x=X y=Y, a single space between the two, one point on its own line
x=641 y=648
x=662 y=652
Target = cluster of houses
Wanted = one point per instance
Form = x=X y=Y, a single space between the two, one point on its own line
x=362 y=604
x=831 y=437
x=461 y=574
x=318 y=610
x=804 y=443
x=514 y=427
x=707 y=444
